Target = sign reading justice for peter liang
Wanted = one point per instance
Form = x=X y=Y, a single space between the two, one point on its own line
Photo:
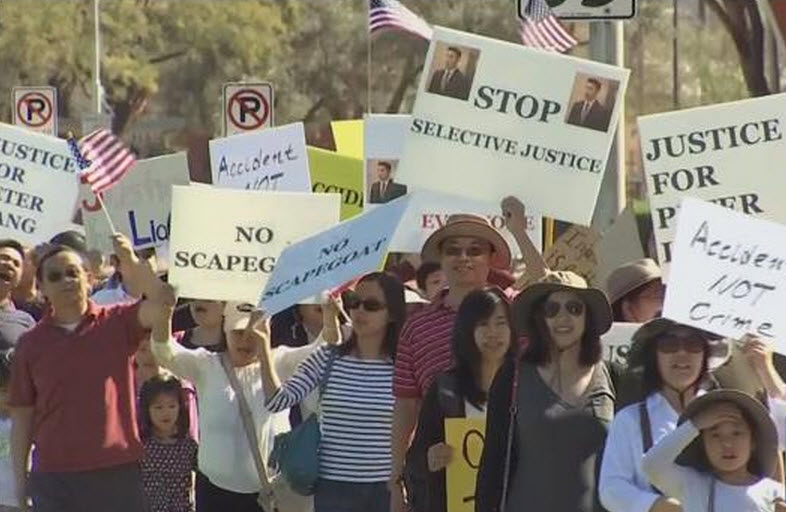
x=729 y=154
x=728 y=275
x=493 y=119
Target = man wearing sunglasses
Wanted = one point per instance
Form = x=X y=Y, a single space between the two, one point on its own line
x=72 y=388
x=467 y=247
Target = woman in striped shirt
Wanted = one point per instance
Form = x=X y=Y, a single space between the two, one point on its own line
x=357 y=403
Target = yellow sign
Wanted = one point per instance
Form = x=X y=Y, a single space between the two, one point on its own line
x=332 y=172
x=348 y=136
x=466 y=436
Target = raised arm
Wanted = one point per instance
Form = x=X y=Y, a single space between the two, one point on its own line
x=516 y=222
x=659 y=463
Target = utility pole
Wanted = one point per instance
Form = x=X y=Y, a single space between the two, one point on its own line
x=98 y=93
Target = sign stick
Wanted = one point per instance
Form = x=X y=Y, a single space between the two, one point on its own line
x=106 y=213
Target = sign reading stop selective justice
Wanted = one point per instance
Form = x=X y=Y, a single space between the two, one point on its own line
x=35 y=108
x=247 y=107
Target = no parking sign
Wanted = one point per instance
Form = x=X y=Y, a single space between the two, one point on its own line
x=35 y=108
x=247 y=107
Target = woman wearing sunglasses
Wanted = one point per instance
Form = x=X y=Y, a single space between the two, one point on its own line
x=483 y=338
x=548 y=412
x=356 y=402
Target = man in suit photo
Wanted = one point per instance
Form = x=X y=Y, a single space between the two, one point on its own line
x=450 y=81
x=385 y=189
x=590 y=112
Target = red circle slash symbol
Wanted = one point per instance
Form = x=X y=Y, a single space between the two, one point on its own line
x=248 y=109
x=34 y=109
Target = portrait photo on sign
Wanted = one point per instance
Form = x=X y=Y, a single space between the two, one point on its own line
x=380 y=180
x=452 y=70
x=592 y=101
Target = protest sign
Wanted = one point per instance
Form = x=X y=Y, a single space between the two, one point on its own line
x=340 y=174
x=139 y=205
x=348 y=136
x=574 y=250
x=271 y=159
x=38 y=185
x=224 y=244
x=728 y=275
x=333 y=257
x=512 y=120
x=618 y=245
x=721 y=153
x=429 y=210
x=466 y=436
x=617 y=341
x=384 y=144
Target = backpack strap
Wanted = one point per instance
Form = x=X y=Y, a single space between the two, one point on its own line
x=646 y=426
x=514 y=400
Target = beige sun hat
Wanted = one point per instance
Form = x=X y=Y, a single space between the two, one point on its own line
x=469 y=225
x=650 y=332
x=557 y=281
x=631 y=276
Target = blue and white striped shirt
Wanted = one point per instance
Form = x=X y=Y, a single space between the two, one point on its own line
x=357 y=414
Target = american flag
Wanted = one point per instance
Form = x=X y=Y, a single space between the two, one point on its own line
x=392 y=14
x=102 y=158
x=541 y=29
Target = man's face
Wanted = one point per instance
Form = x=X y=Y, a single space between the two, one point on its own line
x=591 y=91
x=383 y=172
x=466 y=261
x=65 y=281
x=11 y=265
x=452 y=59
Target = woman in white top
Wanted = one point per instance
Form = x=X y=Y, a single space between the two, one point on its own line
x=227 y=478
x=721 y=457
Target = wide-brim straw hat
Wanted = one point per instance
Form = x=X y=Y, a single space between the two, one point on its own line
x=764 y=433
x=651 y=331
x=559 y=281
x=631 y=276
x=468 y=225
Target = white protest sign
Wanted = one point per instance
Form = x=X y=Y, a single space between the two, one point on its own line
x=728 y=275
x=139 y=204
x=333 y=257
x=35 y=108
x=273 y=159
x=493 y=119
x=721 y=153
x=429 y=210
x=247 y=107
x=224 y=244
x=383 y=139
x=38 y=185
x=617 y=341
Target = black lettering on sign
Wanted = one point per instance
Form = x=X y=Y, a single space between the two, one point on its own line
x=262 y=235
x=327 y=251
x=471 y=450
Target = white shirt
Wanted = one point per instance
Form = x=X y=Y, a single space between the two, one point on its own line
x=692 y=487
x=623 y=486
x=224 y=455
x=7 y=481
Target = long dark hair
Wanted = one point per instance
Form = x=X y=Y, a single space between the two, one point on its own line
x=476 y=307
x=393 y=291
x=158 y=385
x=539 y=347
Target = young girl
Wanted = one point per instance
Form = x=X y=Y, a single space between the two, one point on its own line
x=170 y=453
x=720 y=458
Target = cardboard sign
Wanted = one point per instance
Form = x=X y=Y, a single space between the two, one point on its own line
x=332 y=258
x=340 y=174
x=38 y=185
x=574 y=250
x=348 y=136
x=466 y=436
x=429 y=210
x=722 y=153
x=728 y=275
x=384 y=143
x=500 y=119
x=247 y=107
x=619 y=244
x=617 y=341
x=139 y=205
x=35 y=108
x=273 y=159
x=224 y=244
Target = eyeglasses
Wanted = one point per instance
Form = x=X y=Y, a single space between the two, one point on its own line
x=370 y=305
x=55 y=276
x=472 y=251
x=573 y=307
x=671 y=343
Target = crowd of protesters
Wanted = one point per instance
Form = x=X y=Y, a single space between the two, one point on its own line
x=117 y=395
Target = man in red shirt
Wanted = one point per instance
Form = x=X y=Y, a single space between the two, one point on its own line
x=72 y=391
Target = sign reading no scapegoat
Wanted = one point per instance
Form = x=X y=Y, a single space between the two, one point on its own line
x=247 y=107
x=35 y=108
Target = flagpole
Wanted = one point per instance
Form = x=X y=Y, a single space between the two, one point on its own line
x=106 y=213
x=368 y=57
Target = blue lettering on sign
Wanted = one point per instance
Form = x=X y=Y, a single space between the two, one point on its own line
x=154 y=232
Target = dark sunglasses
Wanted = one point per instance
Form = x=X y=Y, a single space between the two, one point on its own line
x=472 y=252
x=573 y=307
x=55 y=276
x=370 y=305
x=670 y=344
